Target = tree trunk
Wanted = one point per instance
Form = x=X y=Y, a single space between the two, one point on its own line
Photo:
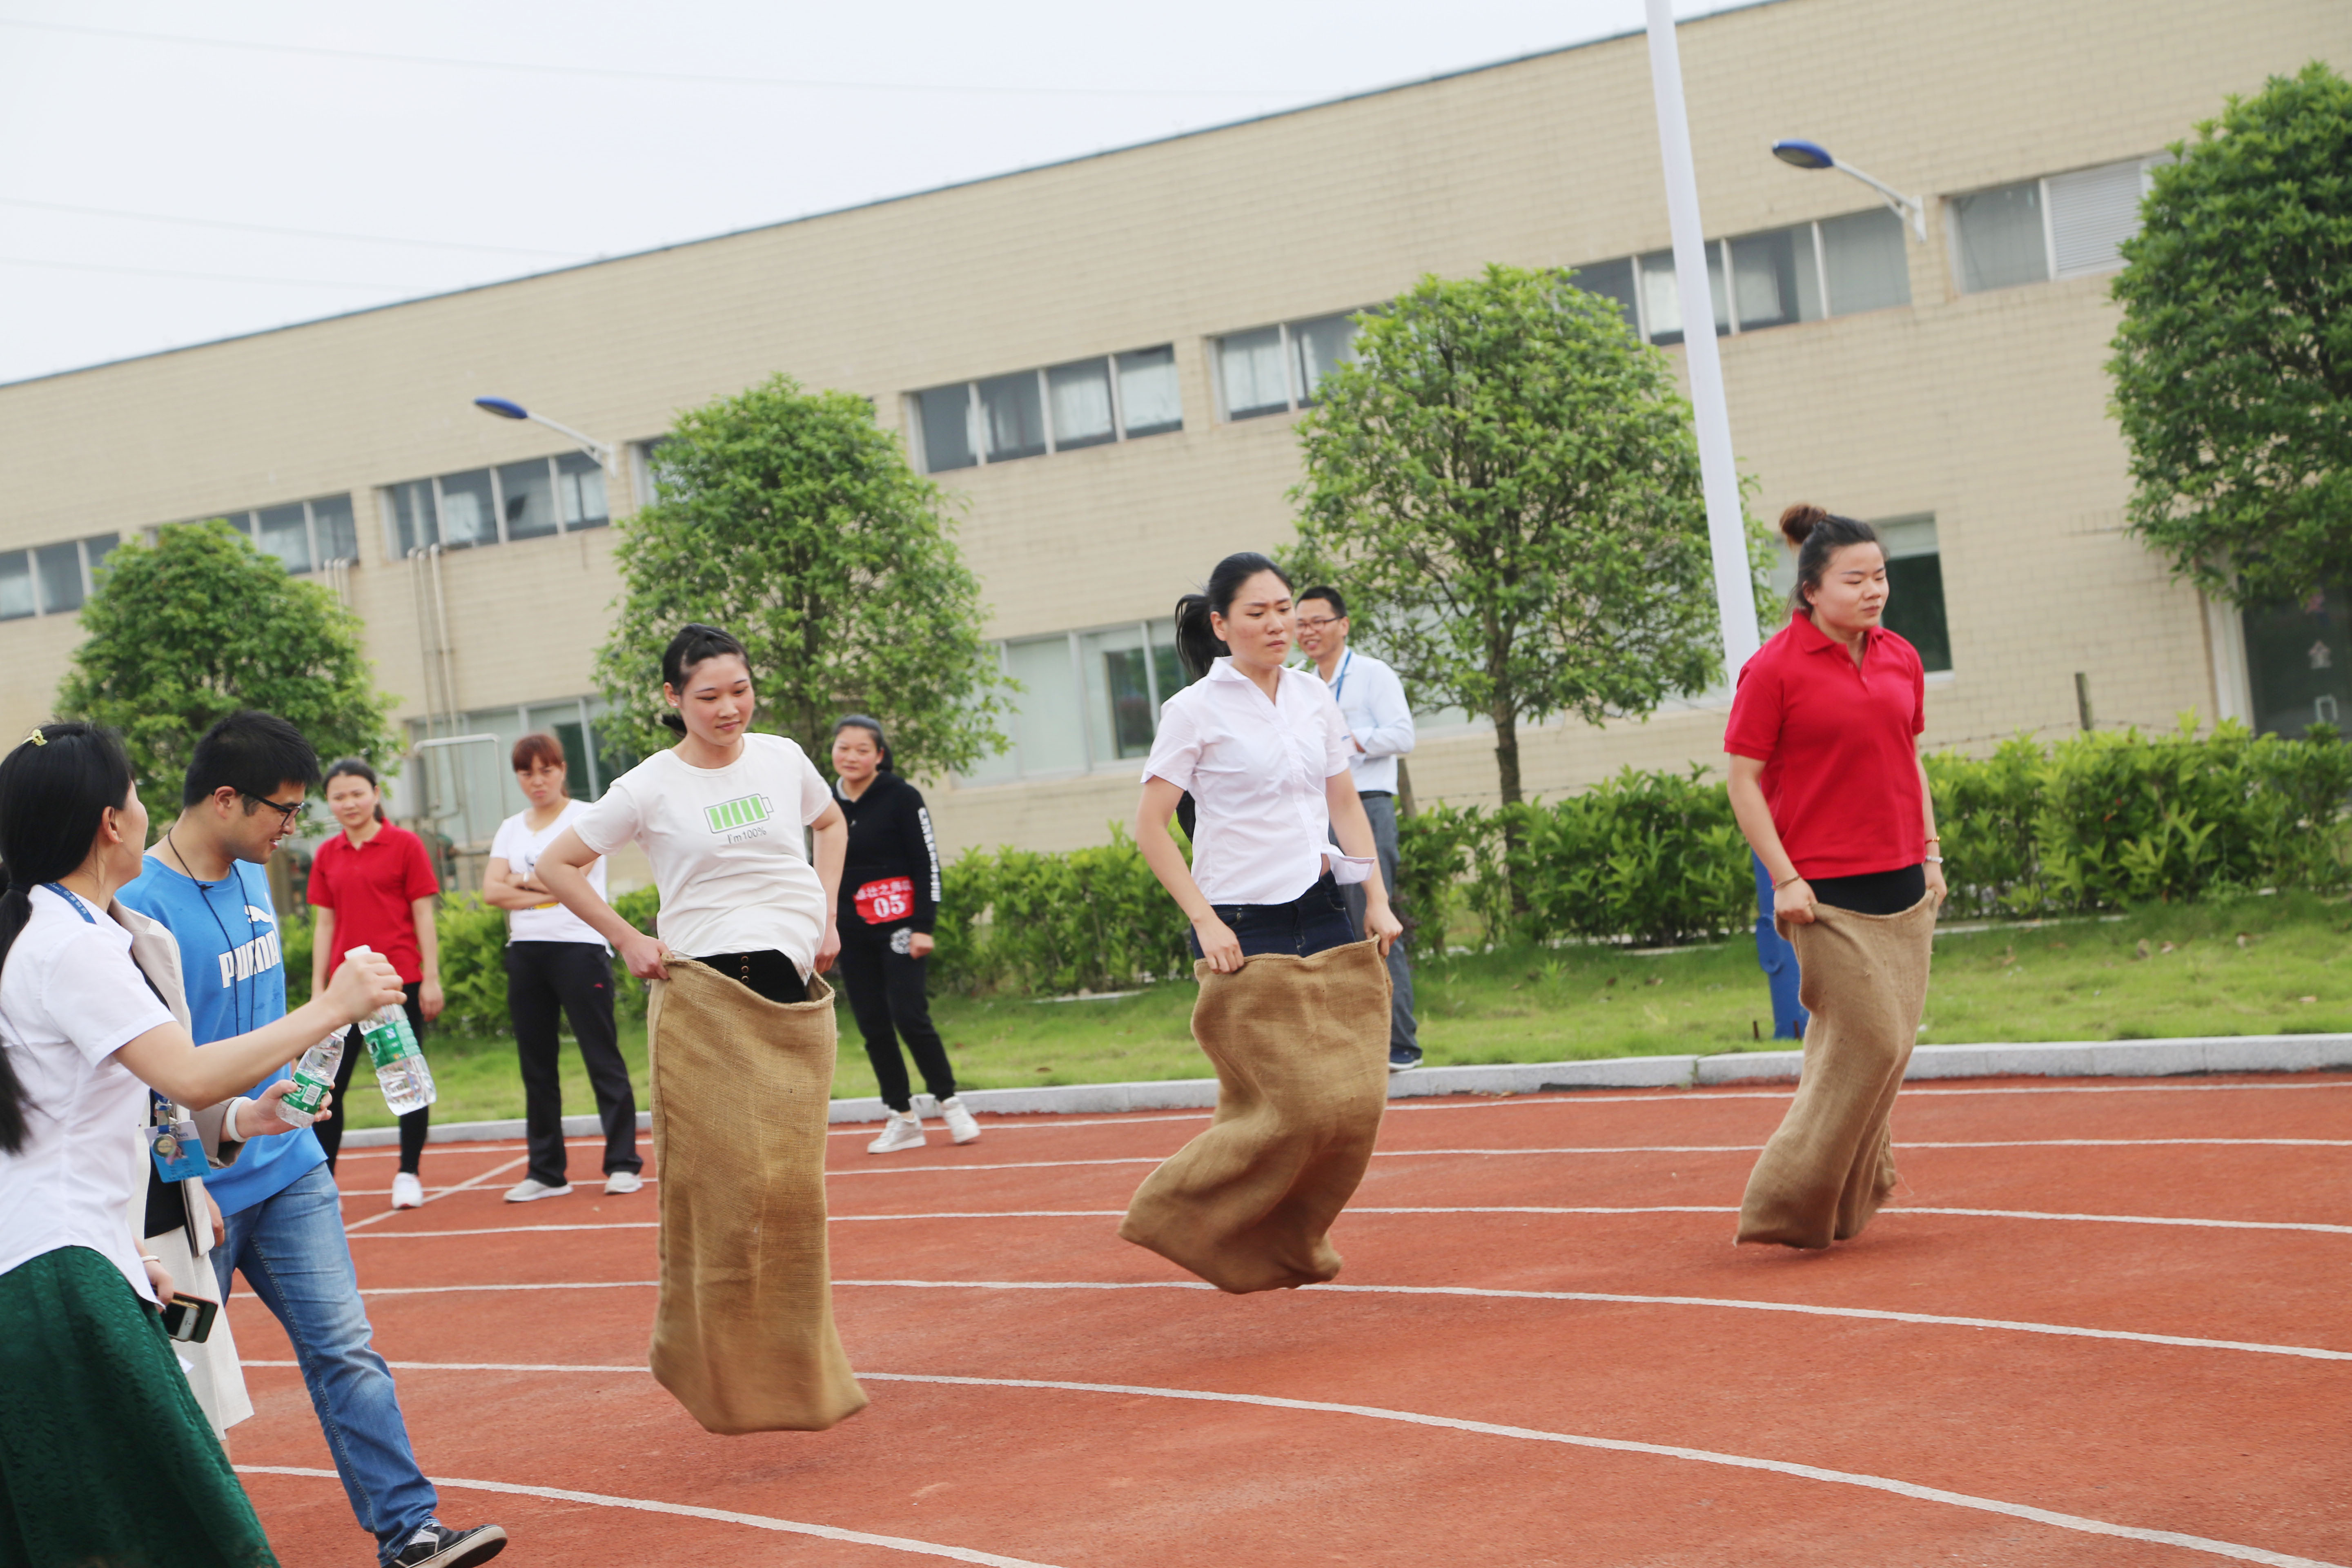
x=1404 y=805
x=1506 y=769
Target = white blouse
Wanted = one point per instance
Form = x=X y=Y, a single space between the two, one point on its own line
x=71 y=997
x=1256 y=771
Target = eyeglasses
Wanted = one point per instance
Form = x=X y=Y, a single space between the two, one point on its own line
x=287 y=815
x=1318 y=623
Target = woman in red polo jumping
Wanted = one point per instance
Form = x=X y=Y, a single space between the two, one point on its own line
x=374 y=887
x=1827 y=785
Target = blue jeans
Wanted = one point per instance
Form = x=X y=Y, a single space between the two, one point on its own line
x=293 y=1252
x=1316 y=919
x=1380 y=810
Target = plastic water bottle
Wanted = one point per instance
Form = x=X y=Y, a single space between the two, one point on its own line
x=314 y=1075
x=400 y=1069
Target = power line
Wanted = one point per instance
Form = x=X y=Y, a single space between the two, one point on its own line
x=297 y=233
x=203 y=276
x=624 y=74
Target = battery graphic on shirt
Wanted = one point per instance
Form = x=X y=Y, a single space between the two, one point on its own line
x=739 y=813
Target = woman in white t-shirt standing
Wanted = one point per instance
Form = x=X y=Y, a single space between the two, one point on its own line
x=557 y=967
x=1263 y=751
x=104 y=1455
x=720 y=816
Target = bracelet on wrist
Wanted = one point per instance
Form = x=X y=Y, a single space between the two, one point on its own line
x=1934 y=860
x=1794 y=877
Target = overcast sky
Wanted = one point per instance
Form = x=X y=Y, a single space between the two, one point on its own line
x=171 y=173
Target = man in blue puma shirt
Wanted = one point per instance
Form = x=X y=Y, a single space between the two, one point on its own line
x=203 y=882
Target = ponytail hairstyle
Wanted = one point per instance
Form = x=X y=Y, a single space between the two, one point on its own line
x=1196 y=643
x=1816 y=535
x=54 y=789
x=355 y=767
x=872 y=727
x=694 y=643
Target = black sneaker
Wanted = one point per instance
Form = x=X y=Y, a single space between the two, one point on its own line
x=1403 y=1058
x=438 y=1546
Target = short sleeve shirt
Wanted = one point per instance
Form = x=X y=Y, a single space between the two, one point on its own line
x=726 y=847
x=520 y=848
x=71 y=997
x=1839 y=744
x=371 y=888
x=1256 y=771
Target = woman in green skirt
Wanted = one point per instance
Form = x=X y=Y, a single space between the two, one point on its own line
x=104 y=1457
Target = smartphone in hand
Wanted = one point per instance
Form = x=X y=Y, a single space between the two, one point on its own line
x=189 y=1319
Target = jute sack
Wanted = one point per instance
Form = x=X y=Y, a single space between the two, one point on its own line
x=1831 y=1163
x=743 y=1335
x=1300 y=1045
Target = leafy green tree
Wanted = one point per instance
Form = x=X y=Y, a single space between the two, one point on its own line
x=2233 y=364
x=792 y=519
x=1505 y=485
x=201 y=624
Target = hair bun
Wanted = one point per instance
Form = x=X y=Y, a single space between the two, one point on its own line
x=1799 y=521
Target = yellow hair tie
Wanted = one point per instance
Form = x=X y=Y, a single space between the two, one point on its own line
x=37 y=737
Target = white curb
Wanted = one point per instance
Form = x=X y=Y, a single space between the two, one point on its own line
x=2068 y=1058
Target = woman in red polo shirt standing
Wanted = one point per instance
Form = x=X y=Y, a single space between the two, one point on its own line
x=1827 y=785
x=374 y=887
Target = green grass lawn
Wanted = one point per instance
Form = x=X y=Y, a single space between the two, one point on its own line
x=2262 y=965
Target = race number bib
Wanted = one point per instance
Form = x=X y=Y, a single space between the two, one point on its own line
x=892 y=899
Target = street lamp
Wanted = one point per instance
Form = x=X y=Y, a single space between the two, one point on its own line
x=507 y=408
x=1912 y=210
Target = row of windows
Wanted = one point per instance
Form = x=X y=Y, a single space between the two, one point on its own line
x=1057 y=408
x=1276 y=369
x=2065 y=226
x=51 y=579
x=304 y=534
x=1833 y=267
x=464 y=786
x=531 y=500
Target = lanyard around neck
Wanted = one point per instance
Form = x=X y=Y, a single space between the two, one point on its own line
x=69 y=896
x=1341 y=685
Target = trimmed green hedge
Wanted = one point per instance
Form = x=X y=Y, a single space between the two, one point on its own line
x=2093 y=822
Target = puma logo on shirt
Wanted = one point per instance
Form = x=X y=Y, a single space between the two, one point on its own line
x=245 y=963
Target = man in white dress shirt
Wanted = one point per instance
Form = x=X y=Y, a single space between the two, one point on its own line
x=1379 y=728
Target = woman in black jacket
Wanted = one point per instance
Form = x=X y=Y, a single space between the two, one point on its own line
x=889 y=896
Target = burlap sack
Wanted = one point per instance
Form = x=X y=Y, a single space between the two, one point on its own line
x=743 y=1335
x=1300 y=1045
x=1831 y=1163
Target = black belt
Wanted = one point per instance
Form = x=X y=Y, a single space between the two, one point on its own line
x=1374 y=793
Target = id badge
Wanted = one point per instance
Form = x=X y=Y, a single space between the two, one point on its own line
x=178 y=1151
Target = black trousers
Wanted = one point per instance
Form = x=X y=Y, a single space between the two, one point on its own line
x=412 y=1126
x=1873 y=892
x=546 y=980
x=887 y=997
x=766 y=972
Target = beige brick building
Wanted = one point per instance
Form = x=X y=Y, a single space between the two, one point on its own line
x=1149 y=314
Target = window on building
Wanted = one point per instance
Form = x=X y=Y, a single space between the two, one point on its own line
x=1272 y=370
x=462 y=765
x=644 y=471
x=16 y=598
x=1089 y=699
x=1779 y=277
x=511 y=502
x=305 y=534
x=1060 y=408
x=2299 y=663
x=2067 y=226
x=52 y=579
x=1915 y=589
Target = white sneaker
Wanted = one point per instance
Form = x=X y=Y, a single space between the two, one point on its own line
x=960 y=1126
x=901 y=1133
x=528 y=1191
x=618 y=1182
x=407 y=1192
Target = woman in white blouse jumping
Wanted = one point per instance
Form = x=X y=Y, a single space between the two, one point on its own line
x=1263 y=752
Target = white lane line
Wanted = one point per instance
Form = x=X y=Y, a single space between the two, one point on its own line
x=1661 y=1450
x=1442 y=1208
x=1702 y=1096
x=689 y=1511
x=1483 y=1428
x=1933 y=1320
x=439 y=1193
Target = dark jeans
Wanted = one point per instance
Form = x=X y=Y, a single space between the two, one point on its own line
x=885 y=994
x=1874 y=893
x=1380 y=810
x=412 y=1126
x=545 y=981
x=767 y=972
x=1316 y=919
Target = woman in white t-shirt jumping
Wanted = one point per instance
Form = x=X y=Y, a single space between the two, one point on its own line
x=1263 y=752
x=557 y=967
x=104 y=1455
x=720 y=816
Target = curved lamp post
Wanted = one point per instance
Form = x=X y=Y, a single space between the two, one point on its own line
x=507 y=408
x=1912 y=210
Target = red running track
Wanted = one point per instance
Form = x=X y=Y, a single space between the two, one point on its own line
x=2105 y=1323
